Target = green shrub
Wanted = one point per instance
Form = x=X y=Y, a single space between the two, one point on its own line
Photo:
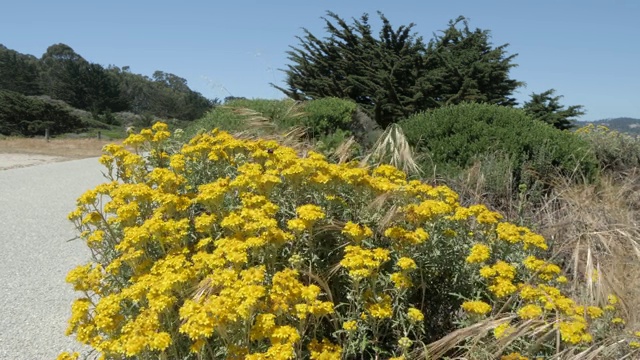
x=454 y=137
x=324 y=116
x=330 y=143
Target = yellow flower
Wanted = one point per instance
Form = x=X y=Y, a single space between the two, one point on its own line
x=381 y=309
x=297 y=225
x=502 y=330
x=428 y=210
x=284 y=334
x=406 y=263
x=310 y=212
x=216 y=216
x=415 y=315
x=573 y=332
x=263 y=326
x=530 y=311
x=350 y=325
x=502 y=287
x=357 y=232
x=400 y=280
x=617 y=320
x=479 y=253
x=505 y=270
x=68 y=356
x=362 y=263
x=514 y=356
x=532 y=263
x=160 y=126
x=134 y=140
x=594 y=312
x=476 y=307
x=487 y=272
x=415 y=237
x=324 y=350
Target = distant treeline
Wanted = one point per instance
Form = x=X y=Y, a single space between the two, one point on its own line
x=62 y=74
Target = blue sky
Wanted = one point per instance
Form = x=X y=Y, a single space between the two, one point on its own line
x=589 y=51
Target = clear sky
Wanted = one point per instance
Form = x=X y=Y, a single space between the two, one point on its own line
x=589 y=51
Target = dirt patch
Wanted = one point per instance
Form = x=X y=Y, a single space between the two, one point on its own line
x=68 y=148
x=10 y=161
x=20 y=152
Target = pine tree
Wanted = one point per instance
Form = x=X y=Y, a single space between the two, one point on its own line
x=546 y=107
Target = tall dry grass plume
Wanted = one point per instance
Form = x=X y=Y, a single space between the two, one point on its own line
x=594 y=230
x=393 y=148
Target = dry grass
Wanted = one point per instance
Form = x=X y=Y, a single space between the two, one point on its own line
x=67 y=148
x=595 y=230
x=393 y=148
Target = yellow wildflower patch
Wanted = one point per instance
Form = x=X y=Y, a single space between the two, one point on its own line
x=245 y=248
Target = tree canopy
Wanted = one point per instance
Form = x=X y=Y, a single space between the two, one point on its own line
x=63 y=74
x=396 y=73
x=25 y=115
x=19 y=72
x=546 y=107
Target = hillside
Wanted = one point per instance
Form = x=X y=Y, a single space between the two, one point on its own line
x=65 y=76
x=622 y=124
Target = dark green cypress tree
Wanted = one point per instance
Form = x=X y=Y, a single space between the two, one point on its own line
x=395 y=74
x=546 y=107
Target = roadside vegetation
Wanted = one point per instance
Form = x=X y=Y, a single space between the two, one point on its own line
x=367 y=217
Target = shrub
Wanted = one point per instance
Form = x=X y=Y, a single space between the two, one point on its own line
x=327 y=115
x=27 y=116
x=234 y=248
x=614 y=150
x=455 y=136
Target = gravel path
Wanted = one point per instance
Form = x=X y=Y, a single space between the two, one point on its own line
x=35 y=255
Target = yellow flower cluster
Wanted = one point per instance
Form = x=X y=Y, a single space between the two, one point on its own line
x=363 y=263
x=476 y=307
x=479 y=253
x=356 y=232
x=232 y=247
x=500 y=276
x=518 y=234
x=324 y=350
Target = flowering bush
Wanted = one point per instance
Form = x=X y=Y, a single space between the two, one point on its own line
x=234 y=248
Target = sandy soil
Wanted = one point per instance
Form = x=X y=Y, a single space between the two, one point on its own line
x=21 y=152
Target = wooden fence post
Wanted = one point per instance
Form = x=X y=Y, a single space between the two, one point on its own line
x=46 y=134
